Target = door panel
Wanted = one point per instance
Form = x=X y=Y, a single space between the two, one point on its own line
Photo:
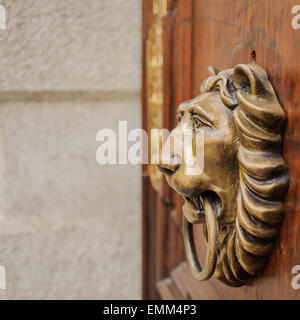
x=221 y=33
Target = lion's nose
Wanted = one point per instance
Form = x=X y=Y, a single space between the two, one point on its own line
x=169 y=167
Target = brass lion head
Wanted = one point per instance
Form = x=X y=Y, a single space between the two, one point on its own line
x=239 y=194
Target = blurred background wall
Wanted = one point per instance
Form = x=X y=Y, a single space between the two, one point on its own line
x=69 y=228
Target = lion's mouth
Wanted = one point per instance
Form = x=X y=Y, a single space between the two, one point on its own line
x=193 y=207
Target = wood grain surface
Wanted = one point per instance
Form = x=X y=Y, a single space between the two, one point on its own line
x=223 y=33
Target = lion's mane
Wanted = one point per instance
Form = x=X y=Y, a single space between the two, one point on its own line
x=263 y=178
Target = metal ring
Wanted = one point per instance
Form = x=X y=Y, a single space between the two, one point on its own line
x=212 y=244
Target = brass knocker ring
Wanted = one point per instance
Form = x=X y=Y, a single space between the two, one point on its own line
x=212 y=243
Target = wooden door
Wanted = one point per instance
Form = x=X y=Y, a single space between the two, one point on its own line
x=222 y=33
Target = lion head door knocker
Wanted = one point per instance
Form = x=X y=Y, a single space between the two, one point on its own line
x=239 y=194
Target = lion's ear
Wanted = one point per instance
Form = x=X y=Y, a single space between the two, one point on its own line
x=213 y=71
x=250 y=78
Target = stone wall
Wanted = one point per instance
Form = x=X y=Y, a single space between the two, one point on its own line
x=69 y=228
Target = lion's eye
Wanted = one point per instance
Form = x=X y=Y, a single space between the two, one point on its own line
x=198 y=122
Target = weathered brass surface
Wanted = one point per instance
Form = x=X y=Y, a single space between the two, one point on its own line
x=239 y=196
x=154 y=63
